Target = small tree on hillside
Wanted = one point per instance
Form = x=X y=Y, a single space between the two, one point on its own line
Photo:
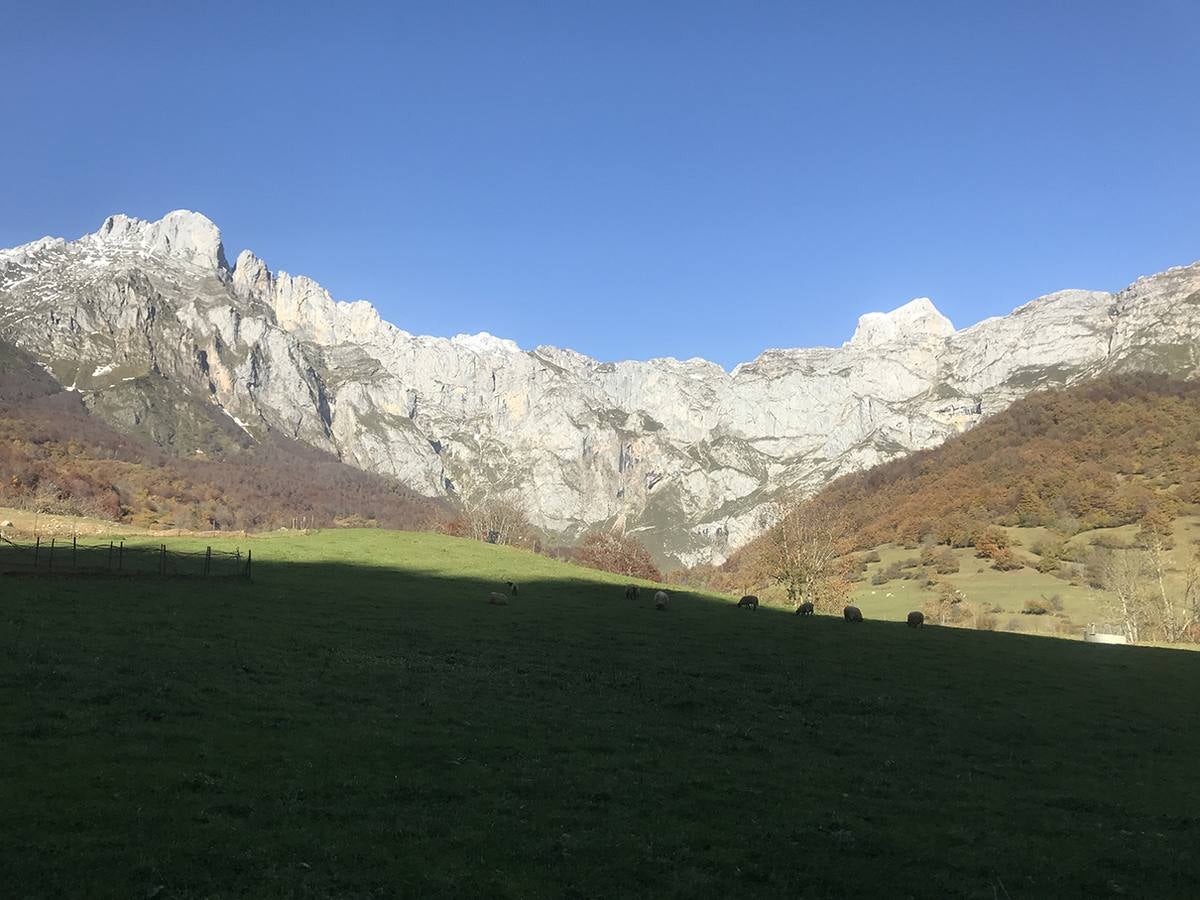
x=806 y=546
x=496 y=520
x=947 y=606
x=618 y=553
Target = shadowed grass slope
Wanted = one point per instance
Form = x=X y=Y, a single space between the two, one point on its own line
x=358 y=722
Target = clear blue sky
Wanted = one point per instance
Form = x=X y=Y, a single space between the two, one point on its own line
x=626 y=179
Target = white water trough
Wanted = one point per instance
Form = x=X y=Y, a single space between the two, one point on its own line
x=1092 y=636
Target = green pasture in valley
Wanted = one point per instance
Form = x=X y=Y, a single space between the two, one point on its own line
x=358 y=722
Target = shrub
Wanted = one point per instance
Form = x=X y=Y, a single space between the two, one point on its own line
x=942 y=560
x=1006 y=561
x=1037 y=607
x=990 y=542
x=1065 y=626
x=616 y=553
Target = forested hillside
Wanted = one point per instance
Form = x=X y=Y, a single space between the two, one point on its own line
x=56 y=458
x=1098 y=455
x=1103 y=454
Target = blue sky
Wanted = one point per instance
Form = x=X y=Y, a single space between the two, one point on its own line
x=626 y=179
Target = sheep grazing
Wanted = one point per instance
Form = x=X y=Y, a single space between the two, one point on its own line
x=631 y=592
x=804 y=609
x=661 y=600
x=852 y=614
x=749 y=601
x=916 y=619
x=495 y=598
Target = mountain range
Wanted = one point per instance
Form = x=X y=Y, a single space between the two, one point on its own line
x=163 y=338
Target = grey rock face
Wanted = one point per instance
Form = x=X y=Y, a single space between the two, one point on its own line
x=682 y=453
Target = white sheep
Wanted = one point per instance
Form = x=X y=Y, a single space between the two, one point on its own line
x=495 y=598
x=661 y=600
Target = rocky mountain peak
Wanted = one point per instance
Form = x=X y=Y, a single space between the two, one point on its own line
x=916 y=320
x=251 y=277
x=181 y=235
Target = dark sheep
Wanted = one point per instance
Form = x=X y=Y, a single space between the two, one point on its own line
x=852 y=614
x=749 y=601
x=804 y=609
x=916 y=619
x=631 y=592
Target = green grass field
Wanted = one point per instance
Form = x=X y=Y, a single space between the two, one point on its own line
x=359 y=723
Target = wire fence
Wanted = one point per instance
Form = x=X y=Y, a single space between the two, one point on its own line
x=47 y=557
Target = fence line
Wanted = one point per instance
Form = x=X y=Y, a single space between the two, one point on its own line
x=117 y=559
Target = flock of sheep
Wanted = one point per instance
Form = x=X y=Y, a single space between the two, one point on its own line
x=916 y=618
x=662 y=600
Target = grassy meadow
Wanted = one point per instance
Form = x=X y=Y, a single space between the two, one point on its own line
x=1004 y=594
x=359 y=723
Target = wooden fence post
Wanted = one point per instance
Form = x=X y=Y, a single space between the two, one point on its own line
x=208 y=561
x=110 y=549
x=120 y=556
x=249 y=559
x=37 y=548
x=50 y=558
x=162 y=559
x=74 y=548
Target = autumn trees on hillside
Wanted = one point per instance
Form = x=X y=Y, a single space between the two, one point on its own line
x=1102 y=454
x=63 y=461
x=618 y=553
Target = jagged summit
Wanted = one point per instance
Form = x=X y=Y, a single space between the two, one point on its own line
x=917 y=319
x=181 y=234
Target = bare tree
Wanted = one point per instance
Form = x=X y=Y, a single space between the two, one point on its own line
x=497 y=520
x=1148 y=598
x=1175 y=600
x=805 y=548
x=1125 y=574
